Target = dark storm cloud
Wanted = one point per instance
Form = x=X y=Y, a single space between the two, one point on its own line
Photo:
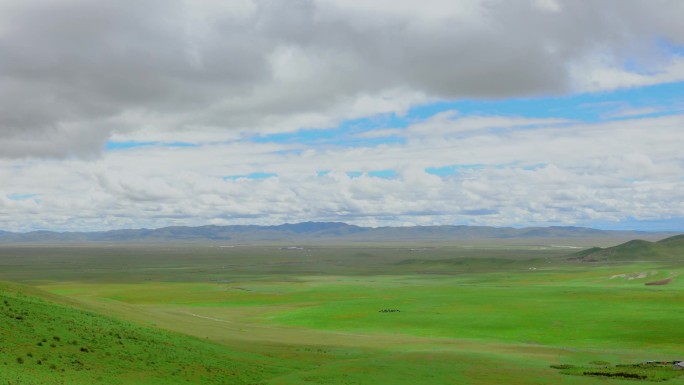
x=72 y=71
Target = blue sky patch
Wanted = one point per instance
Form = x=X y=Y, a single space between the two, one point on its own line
x=669 y=224
x=384 y=174
x=20 y=197
x=651 y=101
x=254 y=175
x=113 y=146
x=453 y=169
x=125 y=145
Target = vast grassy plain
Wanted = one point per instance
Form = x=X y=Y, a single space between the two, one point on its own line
x=499 y=313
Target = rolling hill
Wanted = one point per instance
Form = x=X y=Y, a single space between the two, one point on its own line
x=44 y=339
x=668 y=249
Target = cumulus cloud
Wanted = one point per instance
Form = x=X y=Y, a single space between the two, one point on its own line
x=75 y=72
x=189 y=95
x=574 y=173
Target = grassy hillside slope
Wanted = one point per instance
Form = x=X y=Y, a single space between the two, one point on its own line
x=46 y=342
x=668 y=249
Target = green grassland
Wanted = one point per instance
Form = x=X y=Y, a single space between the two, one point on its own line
x=468 y=314
x=46 y=340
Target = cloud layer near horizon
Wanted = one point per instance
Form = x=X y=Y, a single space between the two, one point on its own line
x=486 y=171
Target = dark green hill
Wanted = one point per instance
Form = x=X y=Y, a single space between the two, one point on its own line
x=673 y=242
x=43 y=341
x=668 y=249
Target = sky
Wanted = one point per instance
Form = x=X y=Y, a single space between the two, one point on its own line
x=151 y=113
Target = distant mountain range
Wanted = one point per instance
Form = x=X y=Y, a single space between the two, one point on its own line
x=315 y=231
x=668 y=249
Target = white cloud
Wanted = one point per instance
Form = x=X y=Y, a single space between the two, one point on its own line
x=75 y=72
x=449 y=123
x=548 y=5
x=575 y=173
x=603 y=75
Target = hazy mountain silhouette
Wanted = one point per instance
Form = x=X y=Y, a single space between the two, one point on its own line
x=313 y=231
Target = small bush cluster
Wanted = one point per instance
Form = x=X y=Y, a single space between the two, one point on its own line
x=650 y=371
